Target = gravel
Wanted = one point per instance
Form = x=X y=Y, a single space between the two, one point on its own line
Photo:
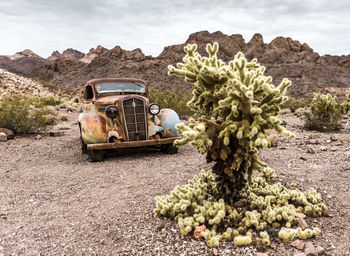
x=54 y=202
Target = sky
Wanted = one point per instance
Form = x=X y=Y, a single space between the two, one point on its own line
x=48 y=25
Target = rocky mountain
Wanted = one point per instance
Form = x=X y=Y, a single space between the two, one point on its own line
x=22 y=63
x=283 y=57
x=67 y=54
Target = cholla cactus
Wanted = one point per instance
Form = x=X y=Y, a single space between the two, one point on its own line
x=346 y=103
x=238 y=103
x=326 y=113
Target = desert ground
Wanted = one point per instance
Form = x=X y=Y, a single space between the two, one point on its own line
x=54 y=202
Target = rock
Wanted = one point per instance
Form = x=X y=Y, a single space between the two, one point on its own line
x=262 y=254
x=320 y=250
x=215 y=251
x=310 y=149
x=314 y=141
x=9 y=134
x=303 y=158
x=38 y=137
x=299 y=244
x=3 y=137
x=56 y=133
x=300 y=215
x=333 y=138
x=333 y=149
x=299 y=254
x=302 y=223
x=273 y=246
x=323 y=148
x=310 y=249
x=160 y=227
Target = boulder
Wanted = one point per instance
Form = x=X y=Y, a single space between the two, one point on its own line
x=9 y=134
x=3 y=137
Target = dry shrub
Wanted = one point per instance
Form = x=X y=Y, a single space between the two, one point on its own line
x=174 y=101
x=18 y=114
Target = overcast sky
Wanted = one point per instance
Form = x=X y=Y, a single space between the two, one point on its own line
x=47 y=25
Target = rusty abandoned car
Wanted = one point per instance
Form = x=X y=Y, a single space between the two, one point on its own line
x=117 y=114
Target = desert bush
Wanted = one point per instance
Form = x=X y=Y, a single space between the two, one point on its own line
x=18 y=114
x=293 y=104
x=44 y=101
x=326 y=113
x=175 y=101
x=238 y=105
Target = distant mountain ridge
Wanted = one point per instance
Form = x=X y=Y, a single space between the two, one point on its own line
x=283 y=57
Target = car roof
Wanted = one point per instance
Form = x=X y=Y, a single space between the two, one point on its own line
x=119 y=80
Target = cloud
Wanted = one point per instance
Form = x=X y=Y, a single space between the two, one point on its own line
x=45 y=26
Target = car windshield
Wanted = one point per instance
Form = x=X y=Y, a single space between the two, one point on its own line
x=120 y=87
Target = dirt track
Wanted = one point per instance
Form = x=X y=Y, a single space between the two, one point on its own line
x=54 y=202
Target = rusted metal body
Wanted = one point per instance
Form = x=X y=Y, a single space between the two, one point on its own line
x=133 y=126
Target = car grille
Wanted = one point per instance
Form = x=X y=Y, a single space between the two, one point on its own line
x=135 y=119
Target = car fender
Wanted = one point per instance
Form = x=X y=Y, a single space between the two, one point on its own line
x=169 y=119
x=93 y=128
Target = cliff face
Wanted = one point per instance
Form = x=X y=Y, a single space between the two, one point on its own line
x=283 y=57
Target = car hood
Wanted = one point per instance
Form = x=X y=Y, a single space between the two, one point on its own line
x=112 y=99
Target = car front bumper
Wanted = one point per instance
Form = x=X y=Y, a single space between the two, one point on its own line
x=131 y=144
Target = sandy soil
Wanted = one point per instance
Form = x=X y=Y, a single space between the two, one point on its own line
x=54 y=202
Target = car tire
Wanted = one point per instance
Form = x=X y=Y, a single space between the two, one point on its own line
x=95 y=155
x=169 y=149
x=83 y=148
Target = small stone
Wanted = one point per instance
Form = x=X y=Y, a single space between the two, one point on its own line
x=38 y=137
x=329 y=196
x=273 y=246
x=310 y=249
x=339 y=143
x=163 y=231
x=303 y=158
x=300 y=215
x=56 y=133
x=302 y=223
x=323 y=148
x=262 y=254
x=299 y=244
x=314 y=141
x=299 y=254
x=328 y=141
x=333 y=138
x=160 y=227
x=310 y=149
x=320 y=250
x=333 y=149
x=3 y=137
x=215 y=251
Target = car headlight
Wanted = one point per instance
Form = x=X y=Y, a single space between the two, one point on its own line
x=112 y=111
x=154 y=109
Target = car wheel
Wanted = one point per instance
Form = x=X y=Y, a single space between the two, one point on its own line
x=83 y=148
x=95 y=155
x=169 y=149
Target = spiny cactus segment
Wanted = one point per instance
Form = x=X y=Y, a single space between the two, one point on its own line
x=195 y=205
x=238 y=103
